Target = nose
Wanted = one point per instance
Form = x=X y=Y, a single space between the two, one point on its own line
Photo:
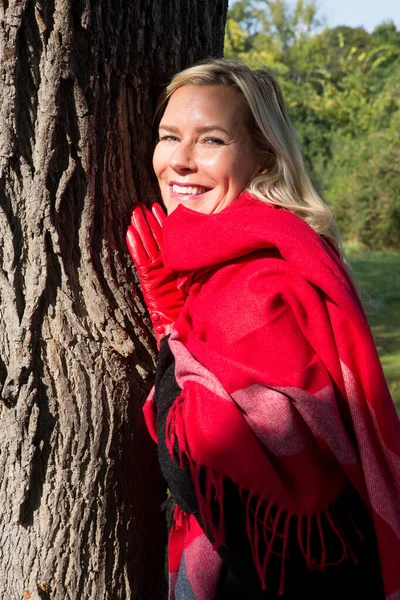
x=182 y=159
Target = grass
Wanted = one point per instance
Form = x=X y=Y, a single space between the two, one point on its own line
x=378 y=274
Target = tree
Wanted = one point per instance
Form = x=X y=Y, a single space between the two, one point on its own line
x=264 y=31
x=341 y=90
x=80 y=489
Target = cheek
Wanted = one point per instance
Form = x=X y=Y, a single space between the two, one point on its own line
x=158 y=161
x=237 y=168
x=223 y=164
x=244 y=167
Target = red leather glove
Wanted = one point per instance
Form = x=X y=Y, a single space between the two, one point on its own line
x=159 y=285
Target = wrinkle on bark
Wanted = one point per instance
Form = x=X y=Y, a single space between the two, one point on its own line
x=80 y=488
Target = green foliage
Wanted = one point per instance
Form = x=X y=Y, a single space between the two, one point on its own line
x=378 y=274
x=342 y=91
x=363 y=185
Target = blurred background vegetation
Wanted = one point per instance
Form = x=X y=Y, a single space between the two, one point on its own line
x=342 y=89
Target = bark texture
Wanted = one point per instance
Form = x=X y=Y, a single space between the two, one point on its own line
x=80 y=489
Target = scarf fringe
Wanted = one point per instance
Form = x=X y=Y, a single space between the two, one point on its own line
x=267 y=525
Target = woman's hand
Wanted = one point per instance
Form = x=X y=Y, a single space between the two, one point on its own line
x=159 y=285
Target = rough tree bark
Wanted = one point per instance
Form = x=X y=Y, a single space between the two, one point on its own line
x=80 y=490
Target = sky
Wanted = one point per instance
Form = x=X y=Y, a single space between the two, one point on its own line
x=367 y=13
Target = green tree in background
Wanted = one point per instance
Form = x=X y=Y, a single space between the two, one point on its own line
x=342 y=90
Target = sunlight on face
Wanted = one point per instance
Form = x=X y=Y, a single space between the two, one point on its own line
x=204 y=157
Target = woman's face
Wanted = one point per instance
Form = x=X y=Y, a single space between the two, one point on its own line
x=204 y=157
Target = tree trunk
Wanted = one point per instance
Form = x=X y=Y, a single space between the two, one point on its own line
x=80 y=488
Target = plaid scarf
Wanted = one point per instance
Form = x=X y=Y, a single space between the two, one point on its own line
x=282 y=393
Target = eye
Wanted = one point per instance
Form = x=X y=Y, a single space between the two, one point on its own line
x=213 y=141
x=168 y=138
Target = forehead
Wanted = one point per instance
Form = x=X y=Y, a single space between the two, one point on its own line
x=197 y=104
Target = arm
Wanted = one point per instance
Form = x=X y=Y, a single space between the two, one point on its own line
x=189 y=486
x=159 y=285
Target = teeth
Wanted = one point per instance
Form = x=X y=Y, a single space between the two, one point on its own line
x=189 y=190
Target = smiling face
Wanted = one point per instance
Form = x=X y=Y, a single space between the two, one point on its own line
x=204 y=157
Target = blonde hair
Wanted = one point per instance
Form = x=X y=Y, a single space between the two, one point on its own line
x=285 y=181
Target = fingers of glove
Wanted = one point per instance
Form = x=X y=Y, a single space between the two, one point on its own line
x=148 y=230
x=159 y=216
x=158 y=213
x=156 y=227
x=135 y=247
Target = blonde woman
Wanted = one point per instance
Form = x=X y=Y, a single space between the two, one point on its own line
x=276 y=431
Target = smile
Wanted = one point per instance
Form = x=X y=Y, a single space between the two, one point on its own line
x=189 y=190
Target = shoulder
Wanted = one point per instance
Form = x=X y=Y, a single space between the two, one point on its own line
x=256 y=311
x=249 y=293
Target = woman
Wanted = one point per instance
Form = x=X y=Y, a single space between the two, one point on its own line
x=275 y=428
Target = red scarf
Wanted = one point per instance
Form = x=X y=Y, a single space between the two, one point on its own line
x=282 y=389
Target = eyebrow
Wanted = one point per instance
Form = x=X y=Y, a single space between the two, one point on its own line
x=203 y=129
